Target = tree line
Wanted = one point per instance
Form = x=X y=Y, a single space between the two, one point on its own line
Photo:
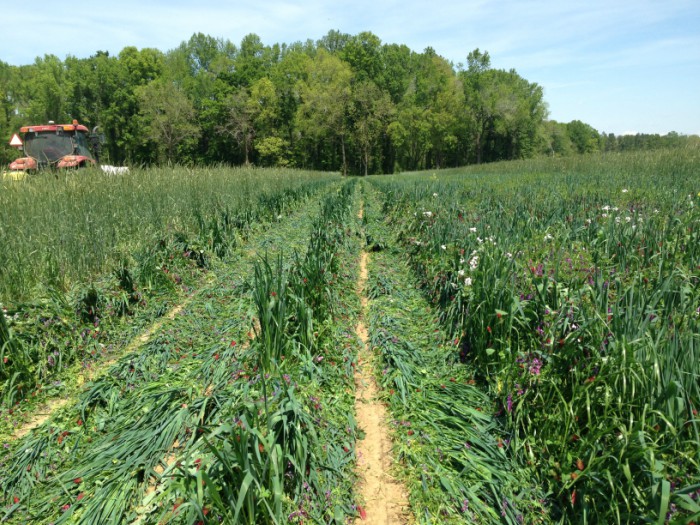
x=347 y=103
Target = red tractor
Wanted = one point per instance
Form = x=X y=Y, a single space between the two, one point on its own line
x=54 y=146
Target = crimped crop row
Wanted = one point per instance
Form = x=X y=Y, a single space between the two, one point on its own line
x=62 y=325
x=575 y=306
x=454 y=453
x=285 y=453
x=106 y=449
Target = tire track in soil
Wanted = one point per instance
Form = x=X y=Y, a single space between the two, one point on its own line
x=45 y=411
x=385 y=499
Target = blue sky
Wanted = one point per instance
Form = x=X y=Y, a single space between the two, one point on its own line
x=622 y=66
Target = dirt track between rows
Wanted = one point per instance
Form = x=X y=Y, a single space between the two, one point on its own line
x=385 y=499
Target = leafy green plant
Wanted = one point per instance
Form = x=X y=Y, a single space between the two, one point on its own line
x=575 y=300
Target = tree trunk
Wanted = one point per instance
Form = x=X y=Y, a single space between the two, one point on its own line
x=478 y=148
x=342 y=147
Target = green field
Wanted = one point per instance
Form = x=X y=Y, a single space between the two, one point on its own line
x=536 y=326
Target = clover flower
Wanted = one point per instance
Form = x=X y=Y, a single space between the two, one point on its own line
x=535 y=367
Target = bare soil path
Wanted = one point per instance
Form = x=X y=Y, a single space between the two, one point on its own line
x=385 y=499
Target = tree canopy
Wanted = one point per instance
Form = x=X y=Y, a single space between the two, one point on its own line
x=347 y=103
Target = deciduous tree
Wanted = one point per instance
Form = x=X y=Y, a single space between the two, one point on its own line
x=168 y=117
x=325 y=98
x=370 y=112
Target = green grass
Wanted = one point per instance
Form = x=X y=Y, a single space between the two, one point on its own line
x=453 y=453
x=260 y=431
x=66 y=229
x=86 y=253
x=572 y=289
x=536 y=323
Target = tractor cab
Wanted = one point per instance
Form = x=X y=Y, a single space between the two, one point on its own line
x=54 y=146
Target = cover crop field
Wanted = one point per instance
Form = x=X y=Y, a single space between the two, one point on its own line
x=188 y=346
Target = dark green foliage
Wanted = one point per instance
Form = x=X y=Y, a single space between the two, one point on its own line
x=372 y=107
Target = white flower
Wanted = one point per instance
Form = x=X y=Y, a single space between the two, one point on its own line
x=479 y=240
x=548 y=237
x=509 y=255
x=472 y=230
x=605 y=215
x=468 y=281
x=460 y=273
x=443 y=247
x=474 y=263
x=628 y=219
x=428 y=213
x=615 y=208
x=434 y=194
x=589 y=221
x=606 y=208
x=625 y=190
